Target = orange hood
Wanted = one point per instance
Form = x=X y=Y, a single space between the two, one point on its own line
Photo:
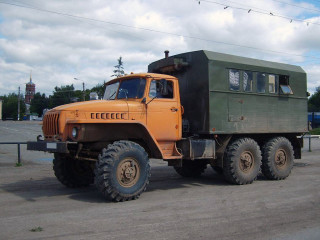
x=95 y=106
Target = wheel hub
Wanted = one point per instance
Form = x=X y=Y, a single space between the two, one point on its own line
x=246 y=161
x=128 y=172
x=280 y=158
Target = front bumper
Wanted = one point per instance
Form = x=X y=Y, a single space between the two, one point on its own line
x=53 y=147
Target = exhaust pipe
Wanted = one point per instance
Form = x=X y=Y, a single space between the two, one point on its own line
x=166 y=53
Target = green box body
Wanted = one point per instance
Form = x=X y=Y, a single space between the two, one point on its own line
x=212 y=108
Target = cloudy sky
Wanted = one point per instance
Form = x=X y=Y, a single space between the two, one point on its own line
x=61 y=40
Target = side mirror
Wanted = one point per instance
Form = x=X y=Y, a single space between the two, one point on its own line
x=144 y=100
x=164 y=87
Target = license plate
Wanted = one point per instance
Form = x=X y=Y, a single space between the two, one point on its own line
x=51 y=145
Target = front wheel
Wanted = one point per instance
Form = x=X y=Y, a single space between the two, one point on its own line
x=242 y=160
x=122 y=172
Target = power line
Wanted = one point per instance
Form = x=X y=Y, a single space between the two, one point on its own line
x=162 y=32
x=241 y=4
x=297 y=6
x=259 y=11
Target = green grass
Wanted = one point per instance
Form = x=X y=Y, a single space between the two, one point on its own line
x=36 y=229
x=18 y=164
x=315 y=131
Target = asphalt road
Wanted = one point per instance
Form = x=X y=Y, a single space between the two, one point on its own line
x=171 y=208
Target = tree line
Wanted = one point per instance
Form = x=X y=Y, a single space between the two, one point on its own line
x=61 y=95
x=314 y=101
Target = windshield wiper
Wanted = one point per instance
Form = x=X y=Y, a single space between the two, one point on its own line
x=112 y=95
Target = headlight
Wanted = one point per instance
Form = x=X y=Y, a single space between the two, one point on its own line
x=74 y=132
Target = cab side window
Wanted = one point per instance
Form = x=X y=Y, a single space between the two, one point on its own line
x=156 y=89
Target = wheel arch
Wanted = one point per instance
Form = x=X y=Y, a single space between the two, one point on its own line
x=110 y=132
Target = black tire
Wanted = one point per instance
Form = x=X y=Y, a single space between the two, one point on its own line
x=191 y=168
x=242 y=161
x=123 y=171
x=71 y=172
x=277 y=159
x=218 y=170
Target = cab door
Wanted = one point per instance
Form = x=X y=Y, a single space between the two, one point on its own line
x=164 y=110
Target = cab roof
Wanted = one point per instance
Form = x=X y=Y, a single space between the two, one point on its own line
x=143 y=75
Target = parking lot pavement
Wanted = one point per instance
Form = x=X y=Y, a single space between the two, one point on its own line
x=34 y=205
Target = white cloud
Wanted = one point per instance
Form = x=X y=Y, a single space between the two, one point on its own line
x=313 y=77
x=58 y=48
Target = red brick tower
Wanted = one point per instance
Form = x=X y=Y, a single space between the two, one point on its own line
x=30 y=90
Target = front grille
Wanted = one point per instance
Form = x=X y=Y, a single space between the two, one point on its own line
x=51 y=124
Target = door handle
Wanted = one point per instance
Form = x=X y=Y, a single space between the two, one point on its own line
x=173 y=109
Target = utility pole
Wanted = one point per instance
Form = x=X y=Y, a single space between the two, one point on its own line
x=18 y=104
x=83 y=92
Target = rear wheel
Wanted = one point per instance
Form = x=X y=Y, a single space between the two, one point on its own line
x=72 y=172
x=242 y=160
x=277 y=159
x=122 y=172
x=191 y=168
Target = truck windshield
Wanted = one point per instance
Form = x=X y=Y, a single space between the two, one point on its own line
x=111 y=91
x=130 y=88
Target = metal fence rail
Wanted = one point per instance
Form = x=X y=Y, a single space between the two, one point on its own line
x=310 y=136
x=18 y=148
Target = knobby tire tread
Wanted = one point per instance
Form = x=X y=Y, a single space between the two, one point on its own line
x=104 y=170
x=268 y=168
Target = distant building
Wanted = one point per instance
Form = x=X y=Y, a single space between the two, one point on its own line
x=30 y=91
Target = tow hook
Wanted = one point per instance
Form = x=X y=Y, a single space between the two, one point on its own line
x=39 y=138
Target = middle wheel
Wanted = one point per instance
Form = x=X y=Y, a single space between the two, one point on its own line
x=242 y=161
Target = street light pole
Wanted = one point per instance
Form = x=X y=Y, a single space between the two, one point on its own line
x=18 y=117
x=84 y=93
x=83 y=89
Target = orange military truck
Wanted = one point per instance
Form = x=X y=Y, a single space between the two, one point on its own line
x=239 y=115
